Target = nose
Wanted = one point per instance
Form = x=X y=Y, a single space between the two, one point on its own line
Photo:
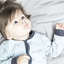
x=23 y=22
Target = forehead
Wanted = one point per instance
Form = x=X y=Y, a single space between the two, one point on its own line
x=15 y=14
x=18 y=12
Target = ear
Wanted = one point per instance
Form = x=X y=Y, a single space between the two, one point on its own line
x=9 y=37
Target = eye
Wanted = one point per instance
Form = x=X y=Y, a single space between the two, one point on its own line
x=22 y=17
x=15 y=22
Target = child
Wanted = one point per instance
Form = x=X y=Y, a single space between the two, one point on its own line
x=23 y=45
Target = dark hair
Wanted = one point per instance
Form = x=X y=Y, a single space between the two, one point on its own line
x=6 y=10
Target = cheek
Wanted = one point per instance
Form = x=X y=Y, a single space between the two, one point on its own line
x=17 y=30
x=29 y=22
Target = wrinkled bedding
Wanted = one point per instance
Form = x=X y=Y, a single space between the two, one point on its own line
x=44 y=15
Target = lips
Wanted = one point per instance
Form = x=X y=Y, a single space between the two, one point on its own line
x=26 y=26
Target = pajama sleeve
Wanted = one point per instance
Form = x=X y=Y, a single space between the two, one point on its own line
x=53 y=49
x=5 y=57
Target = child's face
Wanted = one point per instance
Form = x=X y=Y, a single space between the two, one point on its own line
x=19 y=27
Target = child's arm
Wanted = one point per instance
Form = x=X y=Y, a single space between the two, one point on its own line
x=55 y=48
x=5 y=58
x=59 y=29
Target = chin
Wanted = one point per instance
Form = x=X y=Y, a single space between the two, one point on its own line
x=28 y=31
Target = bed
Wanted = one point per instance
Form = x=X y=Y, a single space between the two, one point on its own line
x=44 y=15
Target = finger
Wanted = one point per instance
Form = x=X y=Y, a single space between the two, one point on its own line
x=26 y=56
x=62 y=25
x=57 y=26
x=24 y=60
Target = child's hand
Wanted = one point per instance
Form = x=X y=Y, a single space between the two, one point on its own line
x=23 y=59
x=60 y=26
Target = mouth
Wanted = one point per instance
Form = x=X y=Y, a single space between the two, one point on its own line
x=26 y=26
